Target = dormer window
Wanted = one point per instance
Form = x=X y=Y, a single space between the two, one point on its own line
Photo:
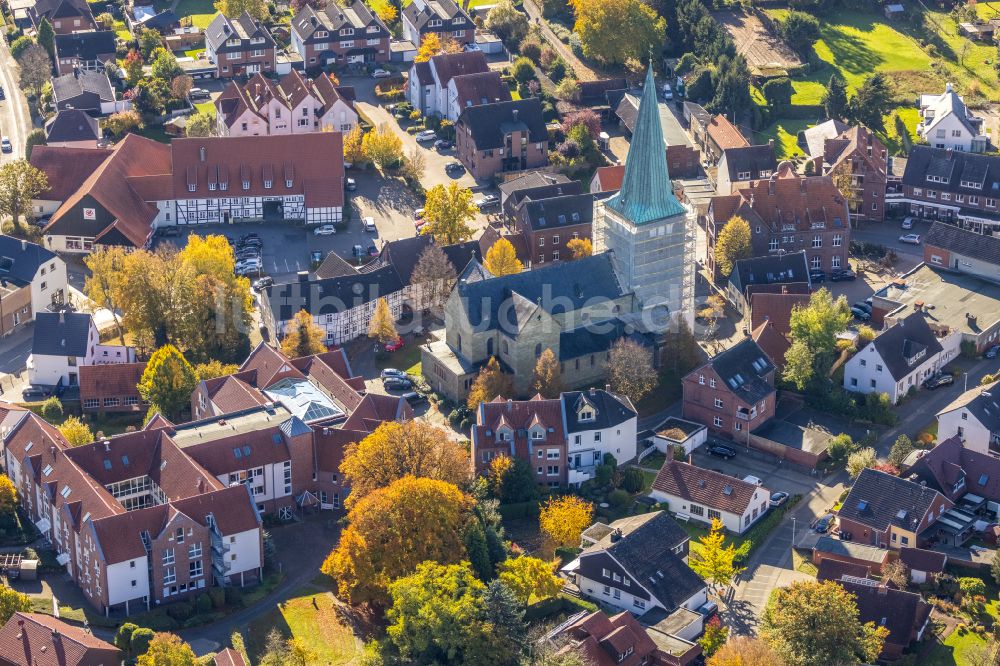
x=434 y=23
x=320 y=34
x=346 y=31
x=288 y=183
x=504 y=434
x=458 y=20
x=268 y=184
x=537 y=434
x=586 y=414
x=246 y=184
x=257 y=40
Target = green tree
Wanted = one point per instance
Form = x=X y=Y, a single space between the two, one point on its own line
x=18 y=46
x=132 y=64
x=490 y=383
x=732 y=94
x=149 y=40
x=523 y=70
x=438 y=615
x=123 y=640
x=52 y=409
x=818 y=323
x=501 y=259
x=732 y=244
x=167 y=650
x=613 y=31
x=200 y=124
x=151 y=95
x=903 y=132
x=507 y=21
x=798 y=365
x=121 y=123
x=20 y=182
x=76 y=432
x=12 y=601
x=548 y=375
x=234 y=8
x=141 y=640
x=512 y=480
x=901 y=448
x=164 y=65
x=995 y=567
x=972 y=587
x=36 y=137
x=835 y=100
x=530 y=578
x=382 y=326
x=630 y=369
x=714 y=561
x=816 y=624
x=167 y=381
x=714 y=637
x=303 y=337
x=47 y=38
x=505 y=615
x=448 y=210
x=873 y=100
x=861 y=460
x=799 y=31
x=840 y=449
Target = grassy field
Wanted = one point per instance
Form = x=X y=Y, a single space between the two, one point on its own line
x=785 y=135
x=314 y=618
x=958 y=648
x=206 y=107
x=406 y=359
x=969 y=63
x=201 y=11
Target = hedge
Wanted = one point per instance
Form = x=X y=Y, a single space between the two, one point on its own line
x=557 y=604
x=520 y=510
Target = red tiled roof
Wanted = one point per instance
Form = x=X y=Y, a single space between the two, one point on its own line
x=114 y=379
x=330 y=446
x=318 y=368
x=480 y=88
x=119 y=537
x=33 y=639
x=375 y=408
x=66 y=168
x=270 y=365
x=775 y=309
x=232 y=508
x=704 y=486
x=725 y=134
x=831 y=569
x=231 y=393
x=256 y=448
x=610 y=177
x=928 y=561
x=772 y=343
x=229 y=657
x=788 y=198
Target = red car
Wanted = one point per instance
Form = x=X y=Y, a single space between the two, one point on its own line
x=395 y=346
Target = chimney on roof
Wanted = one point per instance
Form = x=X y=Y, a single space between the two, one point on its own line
x=616 y=535
x=770 y=142
x=510 y=404
x=303 y=276
x=784 y=289
x=107 y=446
x=514 y=114
x=883 y=589
x=947 y=87
x=24 y=244
x=607 y=388
x=201 y=154
x=62 y=316
x=593 y=391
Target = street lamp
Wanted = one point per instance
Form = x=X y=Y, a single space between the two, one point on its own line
x=793 y=532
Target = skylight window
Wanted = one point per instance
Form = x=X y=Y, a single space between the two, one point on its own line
x=901 y=514
x=47 y=470
x=125 y=460
x=246 y=451
x=983 y=479
x=237 y=453
x=107 y=464
x=862 y=505
x=66 y=491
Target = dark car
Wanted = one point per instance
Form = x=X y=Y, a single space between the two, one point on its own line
x=992 y=351
x=372 y=251
x=443 y=144
x=863 y=315
x=263 y=283
x=33 y=393
x=845 y=275
x=721 y=450
x=938 y=382
x=817 y=276
x=396 y=383
x=822 y=524
x=414 y=398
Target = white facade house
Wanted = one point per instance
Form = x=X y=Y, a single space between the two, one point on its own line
x=598 y=423
x=128 y=582
x=243 y=557
x=945 y=122
x=900 y=358
x=63 y=342
x=31 y=266
x=427 y=89
x=696 y=493
x=679 y=434
x=974 y=418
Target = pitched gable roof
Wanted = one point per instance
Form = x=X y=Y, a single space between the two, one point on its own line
x=20 y=260
x=879 y=500
x=61 y=333
x=944 y=466
x=112 y=379
x=772 y=269
x=489 y=123
x=71 y=125
x=772 y=343
x=480 y=88
x=902 y=613
x=34 y=639
x=906 y=345
x=86 y=45
x=449 y=65
x=704 y=486
x=750 y=160
x=66 y=169
x=70 y=86
x=744 y=369
x=964 y=242
x=725 y=134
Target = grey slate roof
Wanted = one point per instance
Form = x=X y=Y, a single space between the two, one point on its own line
x=567 y=282
x=333 y=295
x=900 y=346
x=61 y=333
x=902 y=613
x=555 y=212
x=585 y=340
x=68 y=86
x=744 y=368
x=86 y=45
x=490 y=123
x=771 y=269
x=609 y=409
x=404 y=254
x=749 y=159
x=983 y=402
x=445 y=10
x=967 y=243
x=646 y=553
x=954 y=166
x=20 y=260
x=72 y=125
x=879 y=500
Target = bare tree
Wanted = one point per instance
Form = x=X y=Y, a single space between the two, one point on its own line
x=630 y=369
x=435 y=275
x=36 y=69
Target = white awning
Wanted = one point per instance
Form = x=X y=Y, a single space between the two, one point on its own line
x=43 y=525
x=572 y=566
x=62 y=558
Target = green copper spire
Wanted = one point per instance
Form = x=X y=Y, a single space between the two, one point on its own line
x=646 y=194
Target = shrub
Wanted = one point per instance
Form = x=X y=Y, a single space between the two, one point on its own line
x=687 y=63
x=218 y=596
x=52 y=409
x=524 y=70
x=531 y=49
x=618 y=498
x=558 y=70
x=234 y=596
x=602 y=475
x=180 y=611
x=204 y=603
x=414 y=115
x=548 y=58
x=632 y=480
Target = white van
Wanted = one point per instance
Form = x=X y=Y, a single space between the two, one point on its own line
x=368 y=224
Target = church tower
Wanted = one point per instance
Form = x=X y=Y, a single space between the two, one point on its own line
x=650 y=232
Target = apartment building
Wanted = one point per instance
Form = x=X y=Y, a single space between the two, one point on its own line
x=32 y=280
x=857 y=158
x=501 y=137
x=349 y=34
x=239 y=46
x=442 y=17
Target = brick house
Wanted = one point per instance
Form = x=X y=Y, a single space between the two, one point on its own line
x=66 y=16
x=733 y=394
x=683 y=158
x=957 y=249
x=500 y=137
x=85 y=50
x=428 y=88
x=951 y=186
x=787 y=212
x=890 y=512
x=111 y=388
x=339 y=35
x=548 y=224
x=740 y=165
x=443 y=17
x=239 y=46
x=858 y=155
x=35 y=639
x=609 y=641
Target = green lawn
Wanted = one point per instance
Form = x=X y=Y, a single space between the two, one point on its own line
x=121 y=31
x=956 y=650
x=970 y=62
x=205 y=107
x=194 y=53
x=312 y=617
x=988 y=10
x=785 y=135
x=201 y=11
x=406 y=359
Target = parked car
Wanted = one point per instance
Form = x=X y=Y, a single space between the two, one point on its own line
x=395 y=346
x=33 y=393
x=453 y=166
x=938 y=381
x=426 y=135
x=721 y=450
x=861 y=305
x=172 y=230
x=358 y=251
x=668 y=94
x=472 y=47
x=381 y=74
x=392 y=372
x=372 y=251
x=414 y=398
x=396 y=383
x=844 y=275
x=709 y=609
x=6 y=145
x=911 y=239
x=368 y=224
x=487 y=201
x=755 y=480
x=907 y=223
x=325 y=230
x=350 y=185
x=817 y=276
x=992 y=351
x=779 y=498
x=199 y=93
x=263 y=283
x=823 y=524
x=443 y=144
x=860 y=314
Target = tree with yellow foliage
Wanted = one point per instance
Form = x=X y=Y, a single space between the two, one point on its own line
x=76 y=432
x=548 y=375
x=490 y=383
x=530 y=578
x=732 y=244
x=167 y=650
x=382 y=326
x=580 y=248
x=303 y=337
x=564 y=519
x=388 y=13
x=354 y=152
x=395 y=450
x=431 y=45
x=714 y=561
x=382 y=147
x=613 y=31
x=501 y=259
x=448 y=210
x=392 y=530
x=8 y=496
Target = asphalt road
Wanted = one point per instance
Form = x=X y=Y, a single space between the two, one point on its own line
x=15 y=121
